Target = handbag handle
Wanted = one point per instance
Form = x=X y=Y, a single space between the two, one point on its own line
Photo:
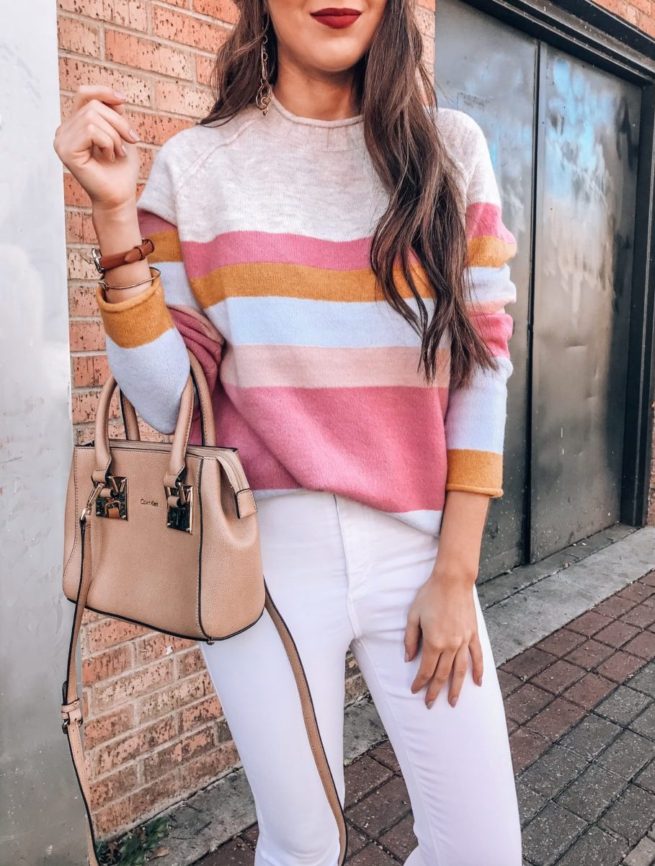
x=182 y=429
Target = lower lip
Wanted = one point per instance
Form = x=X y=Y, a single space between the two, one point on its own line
x=338 y=22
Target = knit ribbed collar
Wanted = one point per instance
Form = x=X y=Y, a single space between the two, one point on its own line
x=314 y=121
x=339 y=134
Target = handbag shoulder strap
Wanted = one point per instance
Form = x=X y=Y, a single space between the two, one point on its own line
x=71 y=711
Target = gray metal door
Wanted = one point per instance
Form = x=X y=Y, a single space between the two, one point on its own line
x=563 y=137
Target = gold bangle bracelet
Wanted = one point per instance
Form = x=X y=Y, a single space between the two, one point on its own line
x=106 y=286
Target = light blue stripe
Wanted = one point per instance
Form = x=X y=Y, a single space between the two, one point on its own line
x=152 y=377
x=301 y=322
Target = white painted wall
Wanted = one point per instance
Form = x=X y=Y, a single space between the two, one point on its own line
x=41 y=817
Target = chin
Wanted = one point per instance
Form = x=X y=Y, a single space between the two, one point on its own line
x=333 y=59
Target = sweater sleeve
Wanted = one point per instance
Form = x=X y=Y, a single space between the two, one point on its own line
x=147 y=335
x=476 y=415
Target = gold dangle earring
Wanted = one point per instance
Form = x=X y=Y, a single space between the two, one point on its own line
x=264 y=93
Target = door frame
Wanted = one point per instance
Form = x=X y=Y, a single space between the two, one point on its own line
x=586 y=31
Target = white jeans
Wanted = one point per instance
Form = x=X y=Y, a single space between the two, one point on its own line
x=343 y=575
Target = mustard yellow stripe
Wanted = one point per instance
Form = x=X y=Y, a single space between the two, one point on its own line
x=488 y=251
x=476 y=471
x=167 y=247
x=136 y=320
x=299 y=281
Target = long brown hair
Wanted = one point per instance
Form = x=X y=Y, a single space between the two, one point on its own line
x=424 y=214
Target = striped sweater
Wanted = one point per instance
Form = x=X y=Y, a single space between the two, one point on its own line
x=262 y=228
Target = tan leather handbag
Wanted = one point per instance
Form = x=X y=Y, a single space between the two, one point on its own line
x=166 y=535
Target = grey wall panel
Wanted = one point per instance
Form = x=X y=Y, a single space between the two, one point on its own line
x=41 y=817
x=586 y=200
x=488 y=70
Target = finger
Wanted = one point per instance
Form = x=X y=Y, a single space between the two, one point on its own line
x=412 y=636
x=119 y=122
x=86 y=92
x=98 y=137
x=440 y=676
x=96 y=121
x=476 y=658
x=460 y=667
x=429 y=658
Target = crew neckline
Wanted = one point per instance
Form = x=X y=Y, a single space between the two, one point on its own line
x=315 y=121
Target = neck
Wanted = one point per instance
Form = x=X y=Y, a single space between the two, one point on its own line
x=333 y=99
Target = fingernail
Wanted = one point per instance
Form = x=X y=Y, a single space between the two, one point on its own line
x=406 y=656
x=123 y=151
x=120 y=94
x=430 y=703
x=452 y=701
x=134 y=134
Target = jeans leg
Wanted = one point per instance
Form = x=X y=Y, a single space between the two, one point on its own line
x=302 y=558
x=456 y=761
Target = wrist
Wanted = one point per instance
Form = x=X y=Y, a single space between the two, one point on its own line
x=110 y=218
x=454 y=573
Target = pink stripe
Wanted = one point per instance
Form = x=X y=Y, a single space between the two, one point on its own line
x=258 y=247
x=152 y=222
x=496 y=331
x=328 y=367
x=388 y=459
x=484 y=219
x=249 y=247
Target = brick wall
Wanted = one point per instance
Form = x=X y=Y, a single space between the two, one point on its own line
x=155 y=731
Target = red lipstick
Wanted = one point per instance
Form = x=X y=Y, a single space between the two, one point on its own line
x=335 y=17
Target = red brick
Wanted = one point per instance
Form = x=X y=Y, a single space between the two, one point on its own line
x=146 y=54
x=508 y=682
x=174 y=697
x=526 y=746
x=133 y=685
x=642 y=645
x=556 y=718
x=112 y=724
x=128 y=748
x=90 y=371
x=107 y=664
x=164 y=760
x=619 y=666
x=207 y=767
x=114 y=786
x=189 y=662
x=74 y=71
x=560 y=642
x=589 y=690
x=525 y=702
x=641 y=615
x=87 y=335
x=558 y=676
x=224 y=10
x=187 y=29
x=110 y=631
x=78 y=36
x=589 y=654
x=199 y=713
x=637 y=591
x=589 y=623
x=156 y=645
x=614 y=606
x=153 y=797
x=616 y=633
x=125 y=13
x=108 y=820
x=528 y=663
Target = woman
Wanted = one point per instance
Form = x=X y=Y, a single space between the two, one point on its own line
x=331 y=247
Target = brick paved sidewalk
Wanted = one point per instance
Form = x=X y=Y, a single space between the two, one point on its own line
x=580 y=708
